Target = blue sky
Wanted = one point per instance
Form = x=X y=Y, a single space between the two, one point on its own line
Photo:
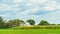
x=48 y=10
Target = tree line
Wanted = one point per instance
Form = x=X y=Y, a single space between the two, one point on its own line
x=18 y=22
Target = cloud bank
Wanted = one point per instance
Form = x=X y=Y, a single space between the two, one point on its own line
x=31 y=9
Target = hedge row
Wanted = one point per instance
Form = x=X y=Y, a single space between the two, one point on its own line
x=37 y=27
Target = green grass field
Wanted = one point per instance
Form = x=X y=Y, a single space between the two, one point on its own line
x=29 y=31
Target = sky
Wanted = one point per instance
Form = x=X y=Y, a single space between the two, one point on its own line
x=38 y=10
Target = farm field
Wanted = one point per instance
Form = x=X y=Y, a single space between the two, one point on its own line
x=29 y=31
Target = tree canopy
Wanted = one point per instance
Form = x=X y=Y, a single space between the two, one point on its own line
x=31 y=21
x=43 y=22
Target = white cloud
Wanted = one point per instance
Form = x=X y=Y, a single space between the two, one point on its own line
x=35 y=9
x=38 y=1
x=28 y=11
x=4 y=7
x=58 y=7
x=29 y=4
x=49 y=8
x=17 y=1
x=9 y=7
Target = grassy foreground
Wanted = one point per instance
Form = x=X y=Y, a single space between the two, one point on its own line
x=29 y=31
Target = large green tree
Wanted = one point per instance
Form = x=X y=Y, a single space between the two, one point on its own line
x=15 y=22
x=43 y=22
x=2 y=22
x=31 y=21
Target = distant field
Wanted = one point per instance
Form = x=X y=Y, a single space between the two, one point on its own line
x=29 y=31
